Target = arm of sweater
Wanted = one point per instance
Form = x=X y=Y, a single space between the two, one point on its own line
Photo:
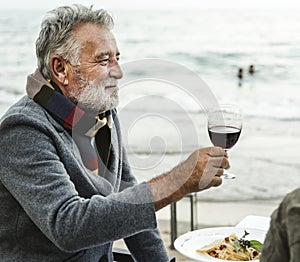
x=33 y=173
x=147 y=246
x=293 y=214
x=282 y=243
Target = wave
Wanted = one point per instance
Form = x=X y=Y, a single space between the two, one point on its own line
x=267 y=113
x=144 y=152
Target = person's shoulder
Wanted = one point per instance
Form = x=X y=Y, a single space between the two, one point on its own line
x=290 y=205
x=24 y=108
x=293 y=197
x=25 y=112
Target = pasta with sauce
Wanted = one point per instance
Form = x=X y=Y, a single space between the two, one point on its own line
x=227 y=249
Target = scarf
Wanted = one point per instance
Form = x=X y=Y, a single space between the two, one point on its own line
x=91 y=135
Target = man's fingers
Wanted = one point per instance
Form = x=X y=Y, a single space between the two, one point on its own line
x=217 y=181
x=219 y=162
x=220 y=172
x=216 y=151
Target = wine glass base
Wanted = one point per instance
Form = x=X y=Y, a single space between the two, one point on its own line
x=228 y=176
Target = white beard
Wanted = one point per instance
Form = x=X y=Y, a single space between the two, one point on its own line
x=95 y=98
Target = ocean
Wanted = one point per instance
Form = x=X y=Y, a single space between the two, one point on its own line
x=177 y=62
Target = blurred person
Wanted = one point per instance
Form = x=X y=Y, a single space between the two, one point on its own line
x=240 y=73
x=66 y=188
x=240 y=76
x=282 y=243
x=251 y=69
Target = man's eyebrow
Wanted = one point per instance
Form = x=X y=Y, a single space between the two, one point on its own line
x=106 y=54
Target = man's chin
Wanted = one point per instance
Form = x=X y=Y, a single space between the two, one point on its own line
x=96 y=108
x=109 y=106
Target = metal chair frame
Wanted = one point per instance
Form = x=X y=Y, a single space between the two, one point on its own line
x=193 y=218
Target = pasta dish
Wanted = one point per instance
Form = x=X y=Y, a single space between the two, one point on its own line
x=233 y=248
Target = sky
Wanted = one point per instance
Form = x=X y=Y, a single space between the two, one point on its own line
x=154 y=4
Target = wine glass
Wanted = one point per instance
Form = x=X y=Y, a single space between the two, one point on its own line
x=224 y=128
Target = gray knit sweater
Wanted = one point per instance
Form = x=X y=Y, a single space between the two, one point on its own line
x=54 y=209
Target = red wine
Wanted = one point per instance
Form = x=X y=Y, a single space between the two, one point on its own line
x=224 y=136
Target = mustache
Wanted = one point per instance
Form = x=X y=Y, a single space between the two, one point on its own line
x=110 y=82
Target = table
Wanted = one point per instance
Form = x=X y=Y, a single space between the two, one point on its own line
x=256 y=222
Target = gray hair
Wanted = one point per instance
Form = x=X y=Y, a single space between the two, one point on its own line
x=56 y=36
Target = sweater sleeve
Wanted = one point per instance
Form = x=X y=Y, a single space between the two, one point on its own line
x=282 y=242
x=292 y=221
x=33 y=173
x=147 y=246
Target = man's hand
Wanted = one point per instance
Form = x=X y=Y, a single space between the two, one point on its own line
x=206 y=167
x=201 y=170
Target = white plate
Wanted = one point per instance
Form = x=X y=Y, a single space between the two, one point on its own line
x=189 y=242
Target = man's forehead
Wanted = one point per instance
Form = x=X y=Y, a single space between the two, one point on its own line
x=96 y=37
x=93 y=31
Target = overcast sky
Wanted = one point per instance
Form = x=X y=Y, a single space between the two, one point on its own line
x=138 y=4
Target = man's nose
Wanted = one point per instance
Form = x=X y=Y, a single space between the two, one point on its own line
x=115 y=70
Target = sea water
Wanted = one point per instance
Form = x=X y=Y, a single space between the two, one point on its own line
x=163 y=112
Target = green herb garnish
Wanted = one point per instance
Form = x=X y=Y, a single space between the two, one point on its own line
x=256 y=245
x=237 y=245
x=243 y=243
x=245 y=234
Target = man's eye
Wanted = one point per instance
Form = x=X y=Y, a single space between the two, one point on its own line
x=104 y=61
x=107 y=60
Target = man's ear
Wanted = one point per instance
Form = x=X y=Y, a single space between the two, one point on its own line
x=59 y=70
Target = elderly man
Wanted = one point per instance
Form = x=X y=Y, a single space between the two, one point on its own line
x=66 y=190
